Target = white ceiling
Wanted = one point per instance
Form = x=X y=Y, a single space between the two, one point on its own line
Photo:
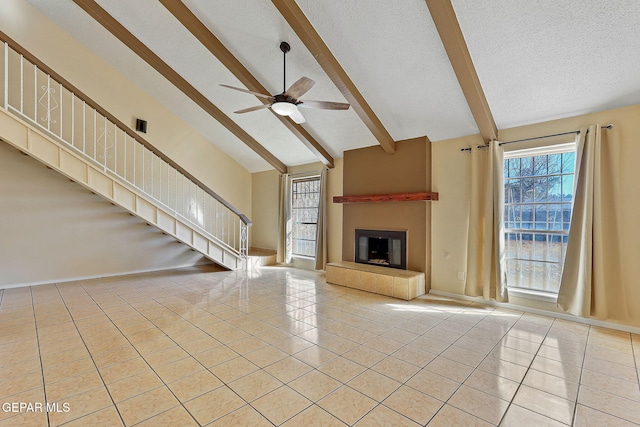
x=547 y=59
x=536 y=60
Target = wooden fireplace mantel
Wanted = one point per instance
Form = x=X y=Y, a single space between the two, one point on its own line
x=378 y=198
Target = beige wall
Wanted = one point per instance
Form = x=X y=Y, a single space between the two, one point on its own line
x=372 y=171
x=334 y=212
x=450 y=214
x=124 y=100
x=451 y=180
x=264 y=202
x=55 y=230
x=264 y=232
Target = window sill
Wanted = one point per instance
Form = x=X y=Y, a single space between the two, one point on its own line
x=305 y=257
x=534 y=295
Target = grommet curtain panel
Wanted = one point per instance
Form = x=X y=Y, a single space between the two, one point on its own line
x=594 y=281
x=284 y=220
x=486 y=274
x=321 y=230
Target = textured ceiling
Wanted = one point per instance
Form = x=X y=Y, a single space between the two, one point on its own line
x=393 y=54
x=536 y=60
x=548 y=59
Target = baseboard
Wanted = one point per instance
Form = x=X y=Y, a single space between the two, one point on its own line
x=563 y=316
x=99 y=276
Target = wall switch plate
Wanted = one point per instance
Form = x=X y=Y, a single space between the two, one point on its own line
x=461 y=275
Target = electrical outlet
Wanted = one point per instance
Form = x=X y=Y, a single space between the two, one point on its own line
x=461 y=275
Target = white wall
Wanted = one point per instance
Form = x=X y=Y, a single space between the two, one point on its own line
x=52 y=229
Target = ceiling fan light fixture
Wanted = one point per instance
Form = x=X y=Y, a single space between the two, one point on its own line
x=284 y=108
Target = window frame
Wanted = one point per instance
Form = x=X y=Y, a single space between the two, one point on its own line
x=532 y=151
x=294 y=181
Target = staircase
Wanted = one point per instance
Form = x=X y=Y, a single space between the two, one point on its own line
x=50 y=120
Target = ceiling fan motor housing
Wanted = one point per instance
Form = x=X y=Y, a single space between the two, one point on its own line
x=285 y=98
x=285 y=47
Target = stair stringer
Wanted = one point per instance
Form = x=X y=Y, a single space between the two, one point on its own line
x=101 y=181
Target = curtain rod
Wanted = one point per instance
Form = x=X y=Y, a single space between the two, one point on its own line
x=609 y=126
x=309 y=173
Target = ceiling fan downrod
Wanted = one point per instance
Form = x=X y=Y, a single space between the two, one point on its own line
x=284 y=47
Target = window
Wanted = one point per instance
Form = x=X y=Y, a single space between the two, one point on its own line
x=538 y=194
x=305 y=197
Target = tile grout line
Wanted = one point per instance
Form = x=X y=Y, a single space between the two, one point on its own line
x=35 y=322
x=613 y=394
x=378 y=403
x=291 y=355
x=636 y=357
x=408 y=379
x=525 y=375
x=584 y=359
x=240 y=355
x=182 y=296
x=90 y=354
x=145 y=361
x=475 y=368
x=180 y=346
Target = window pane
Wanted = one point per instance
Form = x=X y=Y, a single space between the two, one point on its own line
x=514 y=167
x=527 y=217
x=541 y=217
x=537 y=215
x=512 y=191
x=540 y=189
x=305 y=196
x=540 y=165
x=555 y=164
x=540 y=247
x=566 y=216
x=555 y=217
x=568 y=162
x=512 y=216
x=527 y=190
x=527 y=166
x=567 y=188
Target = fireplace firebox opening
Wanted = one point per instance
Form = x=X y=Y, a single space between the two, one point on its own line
x=381 y=247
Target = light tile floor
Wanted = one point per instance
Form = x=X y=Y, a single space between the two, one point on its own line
x=279 y=346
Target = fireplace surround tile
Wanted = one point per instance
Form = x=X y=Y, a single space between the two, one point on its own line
x=368 y=281
x=402 y=284
x=385 y=285
x=351 y=278
x=401 y=288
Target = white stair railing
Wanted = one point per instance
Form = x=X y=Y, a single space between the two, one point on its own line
x=37 y=95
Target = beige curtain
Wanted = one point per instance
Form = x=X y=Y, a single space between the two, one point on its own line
x=321 y=231
x=592 y=284
x=485 y=246
x=284 y=220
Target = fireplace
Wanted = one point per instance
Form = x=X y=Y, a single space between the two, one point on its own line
x=381 y=247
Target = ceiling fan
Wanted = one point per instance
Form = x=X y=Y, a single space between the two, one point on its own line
x=287 y=102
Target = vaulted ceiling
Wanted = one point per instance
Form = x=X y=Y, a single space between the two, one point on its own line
x=440 y=68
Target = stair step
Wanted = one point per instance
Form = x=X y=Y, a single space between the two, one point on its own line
x=259 y=257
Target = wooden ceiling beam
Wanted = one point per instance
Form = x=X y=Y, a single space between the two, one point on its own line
x=453 y=40
x=314 y=43
x=121 y=33
x=191 y=22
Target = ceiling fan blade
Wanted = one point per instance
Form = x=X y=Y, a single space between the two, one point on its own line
x=247 y=110
x=297 y=117
x=324 y=105
x=300 y=87
x=259 y=95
